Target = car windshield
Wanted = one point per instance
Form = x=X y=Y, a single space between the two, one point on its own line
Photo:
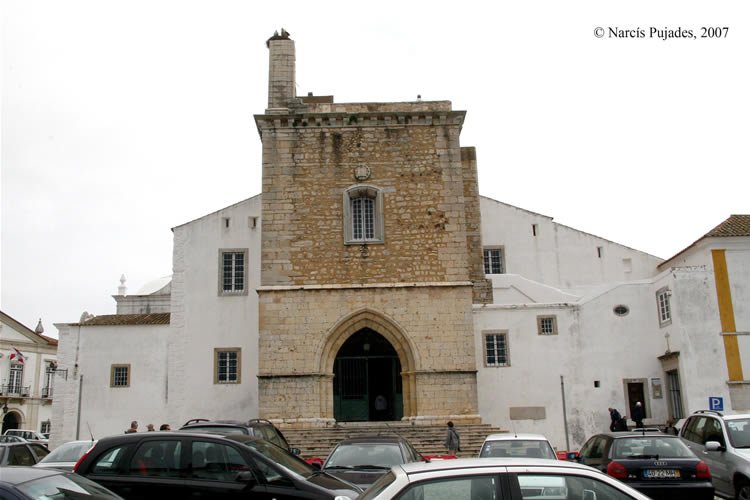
x=65 y=486
x=650 y=446
x=358 y=454
x=739 y=432
x=282 y=457
x=68 y=452
x=531 y=448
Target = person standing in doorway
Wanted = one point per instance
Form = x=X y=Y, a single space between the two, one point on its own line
x=638 y=415
x=452 y=440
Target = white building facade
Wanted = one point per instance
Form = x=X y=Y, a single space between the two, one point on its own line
x=568 y=325
x=28 y=368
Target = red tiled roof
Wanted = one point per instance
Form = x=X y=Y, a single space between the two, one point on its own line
x=735 y=225
x=128 y=319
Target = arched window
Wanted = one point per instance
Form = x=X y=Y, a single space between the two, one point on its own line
x=363 y=215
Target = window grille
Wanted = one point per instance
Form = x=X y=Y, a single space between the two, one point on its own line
x=494 y=261
x=496 y=349
x=227 y=366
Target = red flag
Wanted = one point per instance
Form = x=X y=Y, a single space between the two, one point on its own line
x=17 y=356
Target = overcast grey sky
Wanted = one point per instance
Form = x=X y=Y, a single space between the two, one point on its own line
x=121 y=120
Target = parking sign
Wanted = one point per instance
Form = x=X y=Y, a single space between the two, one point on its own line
x=716 y=403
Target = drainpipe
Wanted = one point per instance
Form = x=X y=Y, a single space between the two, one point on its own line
x=565 y=414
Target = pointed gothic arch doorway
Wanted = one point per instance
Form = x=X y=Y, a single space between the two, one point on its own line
x=367 y=379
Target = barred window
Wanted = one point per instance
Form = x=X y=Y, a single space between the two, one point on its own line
x=120 y=376
x=494 y=261
x=363 y=215
x=496 y=349
x=546 y=325
x=233 y=266
x=227 y=365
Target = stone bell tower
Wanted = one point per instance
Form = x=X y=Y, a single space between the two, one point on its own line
x=371 y=258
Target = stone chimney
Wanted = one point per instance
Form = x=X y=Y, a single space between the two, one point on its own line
x=281 y=73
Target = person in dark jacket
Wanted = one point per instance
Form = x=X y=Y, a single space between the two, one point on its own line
x=638 y=415
x=618 y=422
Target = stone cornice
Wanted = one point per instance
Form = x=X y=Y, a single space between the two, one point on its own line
x=355 y=119
x=359 y=286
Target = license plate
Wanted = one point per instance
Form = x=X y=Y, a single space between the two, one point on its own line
x=661 y=474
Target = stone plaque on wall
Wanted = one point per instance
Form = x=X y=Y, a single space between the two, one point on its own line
x=528 y=413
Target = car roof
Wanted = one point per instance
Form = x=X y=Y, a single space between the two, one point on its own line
x=372 y=439
x=135 y=436
x=479 y=463
x=509 y=436
x=18 y=474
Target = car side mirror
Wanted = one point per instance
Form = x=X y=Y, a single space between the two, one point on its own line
x=713 y=446
x=295 y=451
x=246 y=476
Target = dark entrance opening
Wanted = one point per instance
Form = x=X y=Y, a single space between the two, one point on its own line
x=367 y=379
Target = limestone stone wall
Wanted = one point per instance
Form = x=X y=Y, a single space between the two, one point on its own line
x=429 y=326
x=306 y=170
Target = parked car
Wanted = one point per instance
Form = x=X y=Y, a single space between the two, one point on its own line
x=7 y=438
x=66 y=455
x=191 y=465
x=362 y=460
x=28 y=435
x=723 y=441
x=24 y=453
x=498 y=479
x=514 y=445
x=255 y=427
x=29 y=483
x=658 y=464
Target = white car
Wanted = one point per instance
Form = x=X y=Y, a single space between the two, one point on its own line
x=498 y=479
x=512 y=445
x=28 y=435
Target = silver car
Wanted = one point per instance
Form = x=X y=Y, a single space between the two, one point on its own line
x=723 y=442
x=65 y=456
x=498 y=479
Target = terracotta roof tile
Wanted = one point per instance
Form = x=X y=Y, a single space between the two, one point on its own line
x=735 y=225
x=128 y=319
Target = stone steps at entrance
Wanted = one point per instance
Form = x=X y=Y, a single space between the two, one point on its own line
x=427 y=439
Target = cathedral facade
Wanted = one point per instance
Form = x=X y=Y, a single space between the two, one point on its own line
x=370 y=281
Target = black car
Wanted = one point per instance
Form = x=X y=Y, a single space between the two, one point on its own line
x=30 y=483
x=23 y=453
x=657 y=464
x=191 y=465
x=257 y=427
x=362 y=460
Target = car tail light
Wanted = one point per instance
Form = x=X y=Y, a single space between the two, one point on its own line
x=83 y=457
x=702 y=471
x=617 y=470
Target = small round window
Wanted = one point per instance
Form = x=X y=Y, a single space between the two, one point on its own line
x=621 y=310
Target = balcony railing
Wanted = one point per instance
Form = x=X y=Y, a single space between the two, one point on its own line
x=12 y=390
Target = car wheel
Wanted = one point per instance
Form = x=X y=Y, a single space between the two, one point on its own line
x=743 y=490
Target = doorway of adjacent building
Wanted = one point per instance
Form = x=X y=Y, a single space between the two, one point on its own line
x=675 y=395
x=10 y=421
x=367 y=379
x=637 y=392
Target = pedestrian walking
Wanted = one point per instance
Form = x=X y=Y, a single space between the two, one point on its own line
x=133 y=427
x=452 y=440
